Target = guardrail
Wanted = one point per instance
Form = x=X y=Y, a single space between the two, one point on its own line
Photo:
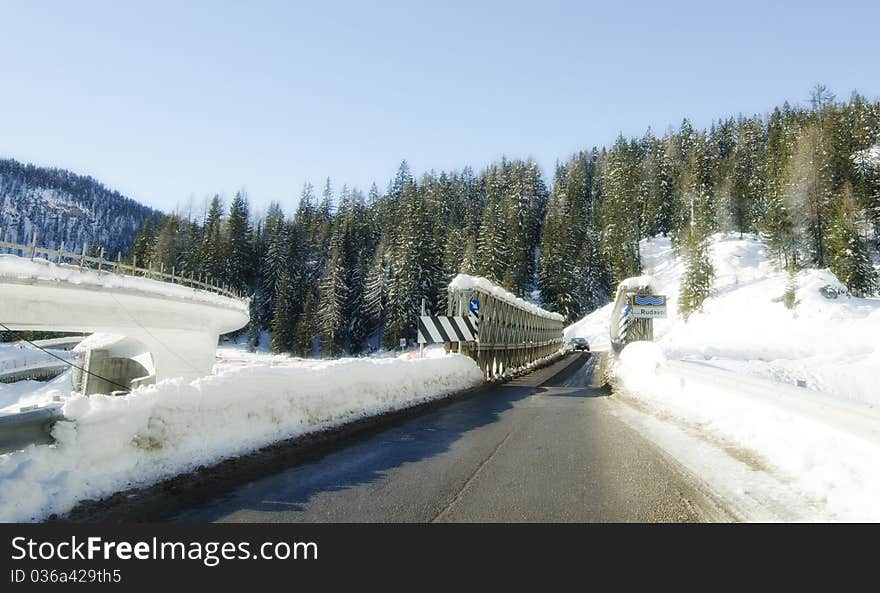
x=18 y=430
x=101 y=265
x=40 y=372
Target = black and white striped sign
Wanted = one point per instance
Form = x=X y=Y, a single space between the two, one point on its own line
x=435 y=329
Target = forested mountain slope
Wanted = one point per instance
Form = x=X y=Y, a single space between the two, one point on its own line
x=63 y=206
x=346 y=271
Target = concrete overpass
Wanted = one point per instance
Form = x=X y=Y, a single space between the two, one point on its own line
x=168 y=329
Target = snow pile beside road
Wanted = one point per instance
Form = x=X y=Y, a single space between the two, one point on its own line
x=827 y=448
x=114 y=443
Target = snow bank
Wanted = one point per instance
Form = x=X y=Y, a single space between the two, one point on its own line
x=12 y=266
x=465 y=282
x=827 y=448
x=113 y=443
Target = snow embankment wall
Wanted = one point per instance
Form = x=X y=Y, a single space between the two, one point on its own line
x=114 y=443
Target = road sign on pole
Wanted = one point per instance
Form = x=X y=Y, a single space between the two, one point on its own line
x=474 y=306
x=652 y=306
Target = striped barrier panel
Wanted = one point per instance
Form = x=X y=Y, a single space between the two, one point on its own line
x=439 y=329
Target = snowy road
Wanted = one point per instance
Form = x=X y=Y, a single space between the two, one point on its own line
x=541 y=448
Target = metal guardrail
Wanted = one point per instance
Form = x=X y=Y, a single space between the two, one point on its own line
x=46 y=371
x=101 y=265
x=18 y=430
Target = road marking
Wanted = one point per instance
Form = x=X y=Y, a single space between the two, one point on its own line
x=472 y=477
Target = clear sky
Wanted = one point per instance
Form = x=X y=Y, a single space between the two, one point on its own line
x=165 y=101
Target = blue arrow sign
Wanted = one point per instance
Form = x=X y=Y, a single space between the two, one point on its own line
x=474 y=306
x=625 y=310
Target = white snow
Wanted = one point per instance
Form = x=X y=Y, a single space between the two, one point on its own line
x=24 y=394
x=827 y=448
x=113 y=443
x=465 y=282
x=795 y=390
x=635 y=282
x=20 y=355
x=826 y=345
x=20 y=268
x=15 y=356
x=868 y=157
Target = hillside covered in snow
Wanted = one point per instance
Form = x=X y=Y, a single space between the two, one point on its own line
x=824 y=344
x=793 y=389
x=64 y=207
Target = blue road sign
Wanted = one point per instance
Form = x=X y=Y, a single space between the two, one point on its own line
x=474 y=306
x=625 y=310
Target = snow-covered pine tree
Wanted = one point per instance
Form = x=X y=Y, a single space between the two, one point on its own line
x=809 y=184
x=306 y=327
x=376 y=295
x=282 y=325
x=620 y=191
x=213 y=253
x=847 y=255
x=332 y=297
x=142 y=249
x=238 y=255
x=696 y=283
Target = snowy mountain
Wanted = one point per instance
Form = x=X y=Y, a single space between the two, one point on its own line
x=62 y=206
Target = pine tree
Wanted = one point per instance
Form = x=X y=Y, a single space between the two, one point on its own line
x=696 y=283
x=333 y=295
x=213 y=252
x=376 y=295
x=282 y=324
x=620 y=229
x=306 y=328
x=142 y=250
x=810 y=188
x=847 y=256
x=238 y=254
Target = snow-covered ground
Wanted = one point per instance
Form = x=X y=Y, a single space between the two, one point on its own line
x=112 y=443
x=795 y=391
x=18 y=356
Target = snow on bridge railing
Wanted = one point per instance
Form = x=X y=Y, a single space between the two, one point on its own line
x=513 y=333
x=83 y=261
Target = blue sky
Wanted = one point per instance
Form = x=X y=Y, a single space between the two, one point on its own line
x=167 y=101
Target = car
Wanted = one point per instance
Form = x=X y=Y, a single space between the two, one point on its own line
x=580 y=344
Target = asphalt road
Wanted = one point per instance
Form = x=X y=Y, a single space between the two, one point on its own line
x=540 y=448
